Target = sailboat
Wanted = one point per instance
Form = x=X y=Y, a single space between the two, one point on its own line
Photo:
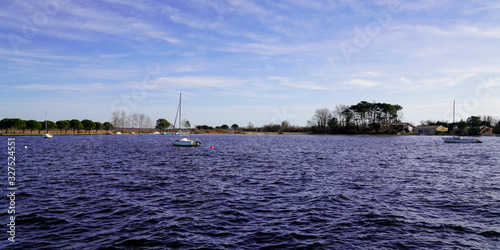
x=458 y=139
x=46 y=135
x=183 y=140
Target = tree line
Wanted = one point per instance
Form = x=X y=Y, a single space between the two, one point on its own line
x=364 y=117
x=75 y=125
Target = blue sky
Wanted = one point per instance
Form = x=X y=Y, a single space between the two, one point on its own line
x=244 y=61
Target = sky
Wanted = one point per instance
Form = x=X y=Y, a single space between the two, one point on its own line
x=242 y=61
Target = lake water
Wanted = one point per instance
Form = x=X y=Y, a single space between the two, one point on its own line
x=253 y=192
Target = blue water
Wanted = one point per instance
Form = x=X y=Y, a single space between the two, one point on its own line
x=253 y=192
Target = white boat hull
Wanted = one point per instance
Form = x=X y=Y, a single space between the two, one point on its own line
x=47 y=136
x=185 y=142
x=457 y=139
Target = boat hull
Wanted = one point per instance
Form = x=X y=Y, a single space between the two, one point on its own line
x=47 y=136
x=186 y=143
x=460 y=140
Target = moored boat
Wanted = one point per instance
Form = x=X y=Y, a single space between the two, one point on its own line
x=458 y=139
x=183 y=140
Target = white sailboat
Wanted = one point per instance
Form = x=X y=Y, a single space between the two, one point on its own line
x=46 y=135
x=458 y=139
x=183 y=140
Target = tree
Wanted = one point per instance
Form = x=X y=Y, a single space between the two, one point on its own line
x=123 y=119
x=320 y=119
x=186 y=124
x=50 y=125
x=98 y=126
x=76 y=125
x=63 y=124
x=108 y=126
x=88 y=124
x=115 y=120
x=162 y=124
x=488 y=121
x=235 y=127
x=285 y=125
x=462 y=125
x=333 y=124
x=32 y=124
x=14 y=123
x=474 y=122
x=224 y=126
x=6 y=123
x=250 y=126
x=496 y=129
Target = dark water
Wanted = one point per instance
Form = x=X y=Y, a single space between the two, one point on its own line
x=253 y=192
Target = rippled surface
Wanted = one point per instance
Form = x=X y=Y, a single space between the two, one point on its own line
x=255 y=191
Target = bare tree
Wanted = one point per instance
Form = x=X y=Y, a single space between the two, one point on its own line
x=123 y=120
x=116 y=119
x=338 y=113
x=320 y=119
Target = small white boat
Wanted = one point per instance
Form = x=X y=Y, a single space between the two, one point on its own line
x=118 y=133
x=47 y=136
x=459 y=139
x=185 y=142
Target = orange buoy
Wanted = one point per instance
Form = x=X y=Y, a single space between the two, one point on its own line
x=211 y=146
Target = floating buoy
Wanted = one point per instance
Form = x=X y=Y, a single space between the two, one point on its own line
x=25 y=146
x=211 y=146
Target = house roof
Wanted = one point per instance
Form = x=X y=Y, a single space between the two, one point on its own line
x=402 y=124
x=428 y=127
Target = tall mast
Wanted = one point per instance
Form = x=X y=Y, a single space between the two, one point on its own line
x=46 y=128
x=180 y=112
x=453 y=125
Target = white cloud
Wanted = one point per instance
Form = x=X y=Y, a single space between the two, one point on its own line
x=362 y=84
x=90 y=87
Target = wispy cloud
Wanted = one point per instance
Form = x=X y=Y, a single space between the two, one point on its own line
x=90 y=87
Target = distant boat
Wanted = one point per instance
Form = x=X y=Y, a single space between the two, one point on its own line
x=46 y=135
x=118 y=133
x=156 y=133
x=458 y=139
x=183 y=140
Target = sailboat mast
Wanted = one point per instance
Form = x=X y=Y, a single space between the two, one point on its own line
x=453 y=125
x=180 y=112
x=46 y=128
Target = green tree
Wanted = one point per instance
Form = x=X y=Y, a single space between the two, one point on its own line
x=50 y=125
x=14 y=123
x=496 y=129
x=474 y=122
x=76 y=125
x=98 y=126
x=63 y=124
x=88 y=124
x=186 y=124
x=6 y=124
x=108 y=126
x=32 y=124
x=162 y=124
x=235 y=127
x=224 y=126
